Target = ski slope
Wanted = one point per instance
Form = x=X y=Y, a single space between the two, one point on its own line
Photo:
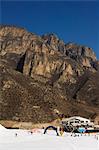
x=11 y=139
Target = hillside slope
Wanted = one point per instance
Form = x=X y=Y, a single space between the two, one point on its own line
x=41 y=77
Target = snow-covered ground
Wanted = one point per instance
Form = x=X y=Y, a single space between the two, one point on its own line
x=11 y=139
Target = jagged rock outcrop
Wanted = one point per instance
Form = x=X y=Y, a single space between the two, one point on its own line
x=41 y=74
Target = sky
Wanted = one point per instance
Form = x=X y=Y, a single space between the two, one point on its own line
x=72 y=21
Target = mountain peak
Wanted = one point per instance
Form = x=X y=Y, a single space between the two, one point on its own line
x=44 y=71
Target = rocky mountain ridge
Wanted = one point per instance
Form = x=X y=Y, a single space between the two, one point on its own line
x=42 y=77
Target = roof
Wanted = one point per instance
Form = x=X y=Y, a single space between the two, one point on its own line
x=76 y=117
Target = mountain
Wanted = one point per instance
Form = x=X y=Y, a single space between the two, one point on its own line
x=42 y=77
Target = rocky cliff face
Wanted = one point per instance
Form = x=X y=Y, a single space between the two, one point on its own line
x=40 y=76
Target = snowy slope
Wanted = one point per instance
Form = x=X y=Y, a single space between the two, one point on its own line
x=24 y=140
